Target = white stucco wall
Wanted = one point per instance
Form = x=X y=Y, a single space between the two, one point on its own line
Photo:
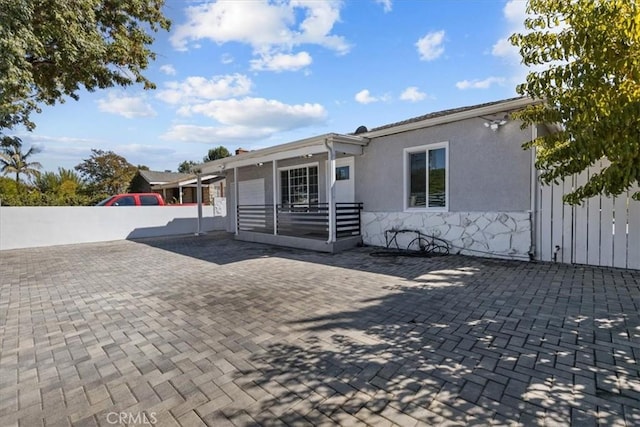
x=25 y=227
x=506 y=234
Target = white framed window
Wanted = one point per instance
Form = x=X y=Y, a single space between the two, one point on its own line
x=426 y=177
x=299 y=184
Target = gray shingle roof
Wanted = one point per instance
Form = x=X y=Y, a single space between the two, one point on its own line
x=162 y=177
x=443 y=113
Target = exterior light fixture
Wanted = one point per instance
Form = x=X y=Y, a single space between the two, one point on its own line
x=495 y=124
x=259 y=164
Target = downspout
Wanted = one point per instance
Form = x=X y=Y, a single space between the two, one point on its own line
x=331 y=167
x=533 y=212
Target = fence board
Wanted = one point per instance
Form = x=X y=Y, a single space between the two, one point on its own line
x=620 y=230
x=633 y=235
x=546 y=198
x=581 y=218
x=606 y=231
x=556 y=219
x=568 y=213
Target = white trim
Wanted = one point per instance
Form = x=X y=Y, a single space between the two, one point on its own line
x=304 y=165
x=274 y=195
x=405 y=171
x=235 y=200
x=313 y=145
x=331 y=193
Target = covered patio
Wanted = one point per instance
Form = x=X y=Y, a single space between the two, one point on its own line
x=300 y=194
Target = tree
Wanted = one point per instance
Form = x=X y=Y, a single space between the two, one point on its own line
x=14 y=161
x=106 y=172
x=64 y=188
x=50 y=49
x=589 y=51
x=216 y=153
x=186 y=166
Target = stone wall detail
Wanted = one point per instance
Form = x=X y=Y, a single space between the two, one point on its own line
x=499 y=234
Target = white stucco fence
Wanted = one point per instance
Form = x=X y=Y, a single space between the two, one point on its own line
x=27 y=227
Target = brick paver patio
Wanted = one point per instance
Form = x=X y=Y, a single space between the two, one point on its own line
x=205 y=330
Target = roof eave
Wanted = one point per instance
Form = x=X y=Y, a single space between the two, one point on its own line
x=453 y=117
x=313 y=145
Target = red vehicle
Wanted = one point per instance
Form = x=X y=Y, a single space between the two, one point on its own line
x=133 y=199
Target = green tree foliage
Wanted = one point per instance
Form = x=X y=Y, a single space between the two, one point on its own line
x=50 y=49
x=216 y=153
x=586 y=55
x=14 y=161
x=64 y=188
x=106 y=173
x=13 y=193
x=186 y=166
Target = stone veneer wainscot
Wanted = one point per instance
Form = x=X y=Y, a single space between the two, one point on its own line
x=497 y=233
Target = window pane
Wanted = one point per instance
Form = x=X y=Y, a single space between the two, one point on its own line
x=148 y=200
x=417 y=180
x=437 y=174
x=298 y=185
x=126 y=201
x=342 y=173
x=284 y=187
x=313 y=184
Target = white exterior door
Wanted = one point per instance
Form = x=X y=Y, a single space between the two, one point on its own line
x=345 y=180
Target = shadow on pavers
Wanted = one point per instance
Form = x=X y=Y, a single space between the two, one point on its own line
x=464 y=340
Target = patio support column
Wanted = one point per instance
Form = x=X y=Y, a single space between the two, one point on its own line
x=331 y=189
x=235 y=198
x=199 y=199
x=180 y=194
x=275 y=197
x=533 y=216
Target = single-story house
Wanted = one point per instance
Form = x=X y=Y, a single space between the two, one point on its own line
x=177 y=187
x=460 y=175
x=185 y=189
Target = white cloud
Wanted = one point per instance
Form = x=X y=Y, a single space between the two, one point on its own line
x=365 y=97
x=271 y=28
x=226 y=58
x=261 y=113
x=386 y=5
x=282 y=62
x=214 y=135
x=168 y=69
x=126 y=106
x=197 y=89
x=412 y=94
x=430 y=46
x=480 y=84
x=133 y=149
x=247 y=118
x=515 y=12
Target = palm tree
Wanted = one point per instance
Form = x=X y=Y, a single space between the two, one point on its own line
x=13 y=160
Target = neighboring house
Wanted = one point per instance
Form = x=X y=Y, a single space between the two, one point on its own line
x=185 y=189
x=176 y=187
x=459 y=174
x=143 y=180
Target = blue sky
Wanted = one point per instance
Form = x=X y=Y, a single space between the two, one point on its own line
x=252 y=74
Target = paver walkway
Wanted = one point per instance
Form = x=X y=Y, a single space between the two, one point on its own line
x=205 y=330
